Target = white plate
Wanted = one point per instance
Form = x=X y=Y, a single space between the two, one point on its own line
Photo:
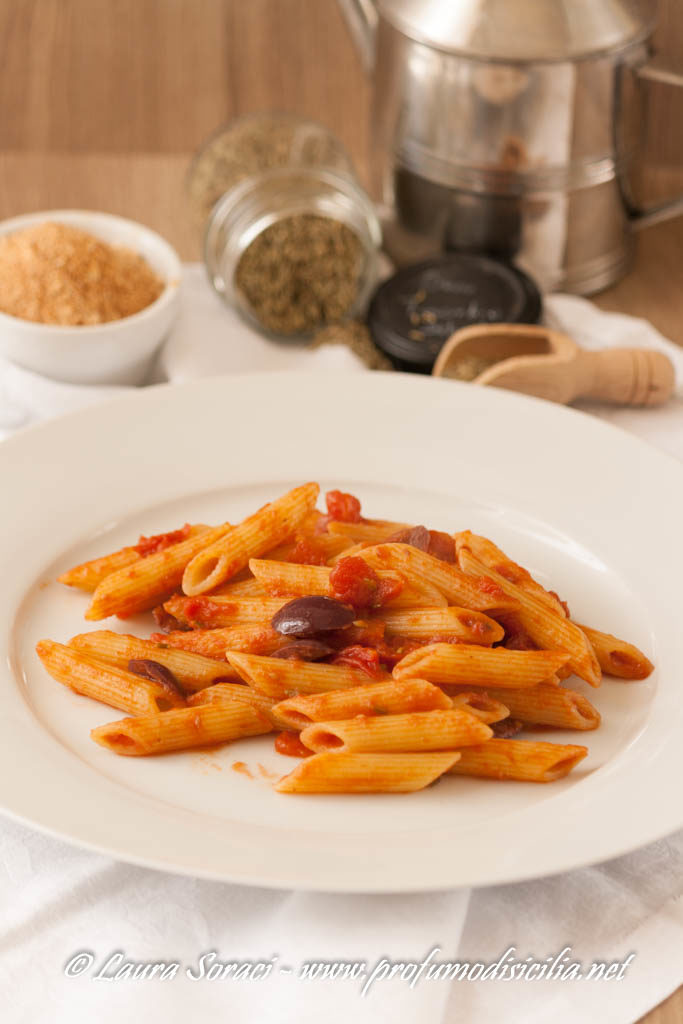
x=588 y=508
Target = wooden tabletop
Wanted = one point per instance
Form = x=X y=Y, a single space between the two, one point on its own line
x=102 y=105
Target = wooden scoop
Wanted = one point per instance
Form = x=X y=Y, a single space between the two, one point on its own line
x=539 y=361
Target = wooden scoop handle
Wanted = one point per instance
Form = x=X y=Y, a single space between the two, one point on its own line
x=625 y=376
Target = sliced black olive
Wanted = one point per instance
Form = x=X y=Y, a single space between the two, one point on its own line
x=149 y=669
x=304 y=650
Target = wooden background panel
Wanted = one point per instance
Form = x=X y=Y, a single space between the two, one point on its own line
x=160 y=75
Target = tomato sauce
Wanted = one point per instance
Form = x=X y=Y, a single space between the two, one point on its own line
x=160 y=541
x=366 y=659
x=288 y=743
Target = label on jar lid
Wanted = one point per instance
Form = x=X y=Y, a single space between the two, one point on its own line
x=416 y=311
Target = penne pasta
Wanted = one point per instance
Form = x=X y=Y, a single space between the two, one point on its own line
x=523 y=760
x=106 y=683
x=287 y=578
x=479 y=649
x=545 y=627
x=322 y=546
x=280 y=678
x=460 y=623
x=419 y=568
x=549 y=705
x=249 y=588
x=480 y=703
x=149 y=581
x=278 y=578
x=182 y=729
x=493 y=558
x=255 y=535
x=192 y=671
x=343 y=772
x=617 y=657
x=470 y=665
x=422 y=730
x=89 y=575
x=209 y=612
x=385 y=698
x=213 y=643
x=226 y=692
x=369 y=531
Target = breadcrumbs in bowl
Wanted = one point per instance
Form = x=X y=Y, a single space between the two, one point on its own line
x=85 y=297
x=57 y=274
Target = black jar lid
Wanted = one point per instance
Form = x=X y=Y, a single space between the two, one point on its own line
x=414 y=312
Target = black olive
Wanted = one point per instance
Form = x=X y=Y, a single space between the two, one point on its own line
x=306 y=616
x=304 y=650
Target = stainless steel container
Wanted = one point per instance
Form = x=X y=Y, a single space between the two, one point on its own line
x=512 y=128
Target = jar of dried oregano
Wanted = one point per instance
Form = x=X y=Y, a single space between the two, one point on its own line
x=290 y=237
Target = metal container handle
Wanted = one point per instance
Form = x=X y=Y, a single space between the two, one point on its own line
x=657 y=71
x=362 y=18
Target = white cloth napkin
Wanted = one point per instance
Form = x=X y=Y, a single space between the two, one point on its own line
x=59 y=903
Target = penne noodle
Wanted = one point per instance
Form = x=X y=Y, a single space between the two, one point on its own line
x=106 y=683
x=287 y=578
x=249 y=588
x=149 y=581
x=209 y=612
x=227 y=692
x=355 y=549
x=419 y=568
x=342 y=772
x=213 y=643
x=549 y=705
x=280 y=678
x=422 y=730
x=278 y=578
x=617 y=657
x=481 y=704
x=546 y=628
x=370 y=531
x=255 y=535
x=89 y=575
x=386 y=698
x=460 y=623
x=182 y=729
x=524 y=760
x=192 y=671
x=471 y=665
x=323 y=545
x=493 y=558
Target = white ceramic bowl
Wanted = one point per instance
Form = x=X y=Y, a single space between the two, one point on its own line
x=118 y=352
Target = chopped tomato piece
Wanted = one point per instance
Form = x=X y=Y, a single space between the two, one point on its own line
x=345 y=508
x=307 y=551
x=364 y=658
x=160 y=541
x=354 y=582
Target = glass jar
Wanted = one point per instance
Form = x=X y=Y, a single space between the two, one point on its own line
x=291 y=239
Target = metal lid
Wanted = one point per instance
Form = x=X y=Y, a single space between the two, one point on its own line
x=414 y=312
x=523 y=30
